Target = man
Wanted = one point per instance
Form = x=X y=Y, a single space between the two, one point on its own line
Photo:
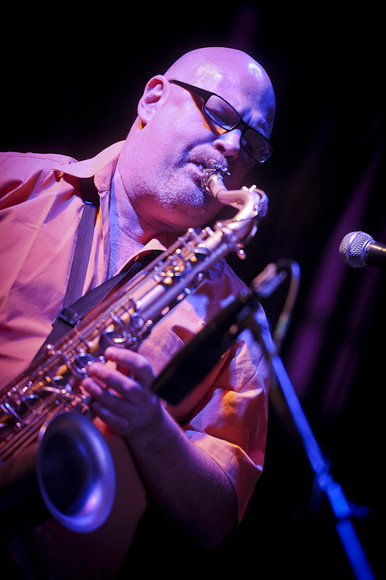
x=198 y=462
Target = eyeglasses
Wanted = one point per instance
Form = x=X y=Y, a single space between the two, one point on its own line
x=223 y=115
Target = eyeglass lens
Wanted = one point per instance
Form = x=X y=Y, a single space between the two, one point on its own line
x=226 y=117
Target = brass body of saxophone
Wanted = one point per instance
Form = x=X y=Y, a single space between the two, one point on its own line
x=34 y=408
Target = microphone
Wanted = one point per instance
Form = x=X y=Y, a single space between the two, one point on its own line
x=358 y=249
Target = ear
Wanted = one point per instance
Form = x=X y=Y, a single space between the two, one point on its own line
x=154 y=94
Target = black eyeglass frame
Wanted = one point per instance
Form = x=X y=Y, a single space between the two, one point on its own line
x=240 y=124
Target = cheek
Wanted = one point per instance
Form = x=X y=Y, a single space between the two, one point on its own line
x=181 y=128
x=164 y=146
x=172 y=123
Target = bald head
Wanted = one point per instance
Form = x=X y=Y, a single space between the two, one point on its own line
x=226 y=69
x=204 y=62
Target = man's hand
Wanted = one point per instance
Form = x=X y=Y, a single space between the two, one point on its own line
x=121 y=396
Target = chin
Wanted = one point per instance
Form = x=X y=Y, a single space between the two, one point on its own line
x=181 y=219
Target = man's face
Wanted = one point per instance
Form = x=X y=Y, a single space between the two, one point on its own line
x=179 y=142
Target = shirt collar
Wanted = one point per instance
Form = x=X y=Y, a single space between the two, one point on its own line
x=94 y=166
x=99 y=167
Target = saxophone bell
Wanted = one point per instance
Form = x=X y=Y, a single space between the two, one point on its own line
x=75 y=472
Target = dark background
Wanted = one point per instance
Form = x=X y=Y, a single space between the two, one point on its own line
x=71 y=80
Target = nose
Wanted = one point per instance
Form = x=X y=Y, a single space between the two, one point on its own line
x=229 y=144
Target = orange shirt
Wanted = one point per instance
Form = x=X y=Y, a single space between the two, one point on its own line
x=40 y=210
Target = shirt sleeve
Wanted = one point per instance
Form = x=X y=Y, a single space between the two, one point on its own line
x=39 y=216
x=226 y=413
x=231 y=423
x=23 y=175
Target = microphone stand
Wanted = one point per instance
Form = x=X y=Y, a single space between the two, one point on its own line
x=196 y=359
x=338 y=502
x=263 y=286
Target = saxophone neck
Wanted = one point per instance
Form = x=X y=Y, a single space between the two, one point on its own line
x=250 y=202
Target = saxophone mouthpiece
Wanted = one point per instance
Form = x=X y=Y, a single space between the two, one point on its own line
x=213 y=177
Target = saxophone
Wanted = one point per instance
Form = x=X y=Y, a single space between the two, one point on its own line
x=45 y=412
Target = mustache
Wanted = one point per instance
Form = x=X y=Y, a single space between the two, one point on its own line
x=207 y=160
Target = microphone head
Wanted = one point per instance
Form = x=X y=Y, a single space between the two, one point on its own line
x=353 y=249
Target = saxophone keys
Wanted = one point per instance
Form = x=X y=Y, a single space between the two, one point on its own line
x=81 y=362
x=241 y=254
x=50 y=349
